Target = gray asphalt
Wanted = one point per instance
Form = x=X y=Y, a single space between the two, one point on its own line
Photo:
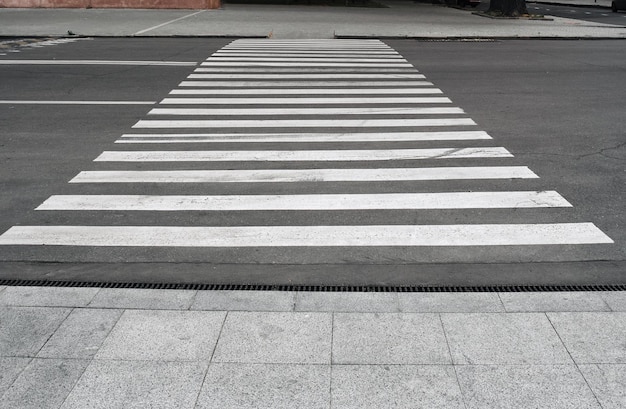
x=554 y=104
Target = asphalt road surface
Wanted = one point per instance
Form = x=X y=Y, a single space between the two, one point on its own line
x=598 y=15
x=313 y=162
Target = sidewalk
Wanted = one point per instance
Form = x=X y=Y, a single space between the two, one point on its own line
x=130 y=348
x=401 y=19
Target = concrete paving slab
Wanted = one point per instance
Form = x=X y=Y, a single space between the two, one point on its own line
x=137 y=384
x=265 y=386
x=163 y=336
x=275 y=337
x=406 y=386
x=2 y=287
x=389 y=339
x=135 y=298
x=608 y=382
x=24 y=330
x=554 y=301
x=615 y=299
x=346 y=302
x=524 y=386
x=81 y=334
x=503 y=339
x=10 y=369
x=47 y=296
x=45 y=383
x=244 y=301
x=450 y=302
x=592 y=337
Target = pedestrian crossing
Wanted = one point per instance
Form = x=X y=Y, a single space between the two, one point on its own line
x=269 y=125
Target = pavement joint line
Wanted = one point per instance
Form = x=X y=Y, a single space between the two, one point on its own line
x=168 y=22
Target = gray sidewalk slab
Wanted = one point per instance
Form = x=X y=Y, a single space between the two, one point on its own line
x=400 y=19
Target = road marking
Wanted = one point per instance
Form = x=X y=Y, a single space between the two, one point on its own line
x=301 y=64
x=305 y=175
x=305 y=137
x=306 y=111
x=274 y=70
x=308 y=76
x=99 y=62
x=305 y=59
x=168 y=22
x=77 y=102
x=399 y=201
x=302 y=123
x=307 y=101
x=301 y=155
x=305 y=236
x=306 y=54
x=307 y=91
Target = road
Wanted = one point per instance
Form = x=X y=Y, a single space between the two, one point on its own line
x=598 y=15
x=413 y=181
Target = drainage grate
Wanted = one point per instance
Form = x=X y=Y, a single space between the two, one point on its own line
x=318 y=288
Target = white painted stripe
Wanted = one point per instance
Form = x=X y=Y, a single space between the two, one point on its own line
x=168 y=22
x=302 y=123
x=77 y=102
x=336 y=70
x=309 y=76
x=399 y=201
x=301 y=155
x=301 y=64
x=305 y=54
x=303 y=91
x=306 y=111
x=305 y=137
x=303 y=59
x=305 y=175
x=306 y=100
x=308 y=236
x=98 y=62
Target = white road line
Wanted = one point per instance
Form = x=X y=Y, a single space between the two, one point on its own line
x=306 y=111
x=308 y=91
x=301 y=64
x=400 y=201
x=305 y=236
x=99 y=62
x=77 y=102
x=306 y=101
x=302 y=123
x=304 y=59
x=309 y=76
x=305 y=54
x=301 y=155
x=305 y=137
x=335 y=70
x=305 y=175
x=168 y=22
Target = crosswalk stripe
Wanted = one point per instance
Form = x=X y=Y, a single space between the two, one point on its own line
x=307 y=111
x=301 y=64
x=307 y=101
x=242 y=90
x=311 y=70
x=315 y=236
x=305 y=137
x=399 y=201
x=305 y=59
x=302 y=123
x=309 y=54
x=310 y=76
x=296 y=155
x=305 y=175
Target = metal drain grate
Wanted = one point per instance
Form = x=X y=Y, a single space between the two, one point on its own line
x=318 y=288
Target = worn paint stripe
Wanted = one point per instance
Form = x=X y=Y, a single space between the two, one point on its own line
x=407 y=90
x=309 y=76
x=303 y=123
x=307 y=111
x=306 y=101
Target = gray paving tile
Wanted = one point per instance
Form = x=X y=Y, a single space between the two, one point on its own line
x=592 y=337
x=389 y=339
x=24 y=330
x=2 y=287
x=615 y=299
x=47 y=296
x=525 y=386
x=450 y=302
x=45 y=383
x=81 y=334
x=347 y=302
x=508 y=338
x=554 y=301
x=137 y=384
x=163 y=335
x=265 y=386
x=139 y=298
x=275 y=337
x=608 y=382
x=396 y=386
x=10 y=369
x=244 y=300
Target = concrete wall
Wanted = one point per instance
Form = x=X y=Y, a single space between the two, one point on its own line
x=135 y=4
